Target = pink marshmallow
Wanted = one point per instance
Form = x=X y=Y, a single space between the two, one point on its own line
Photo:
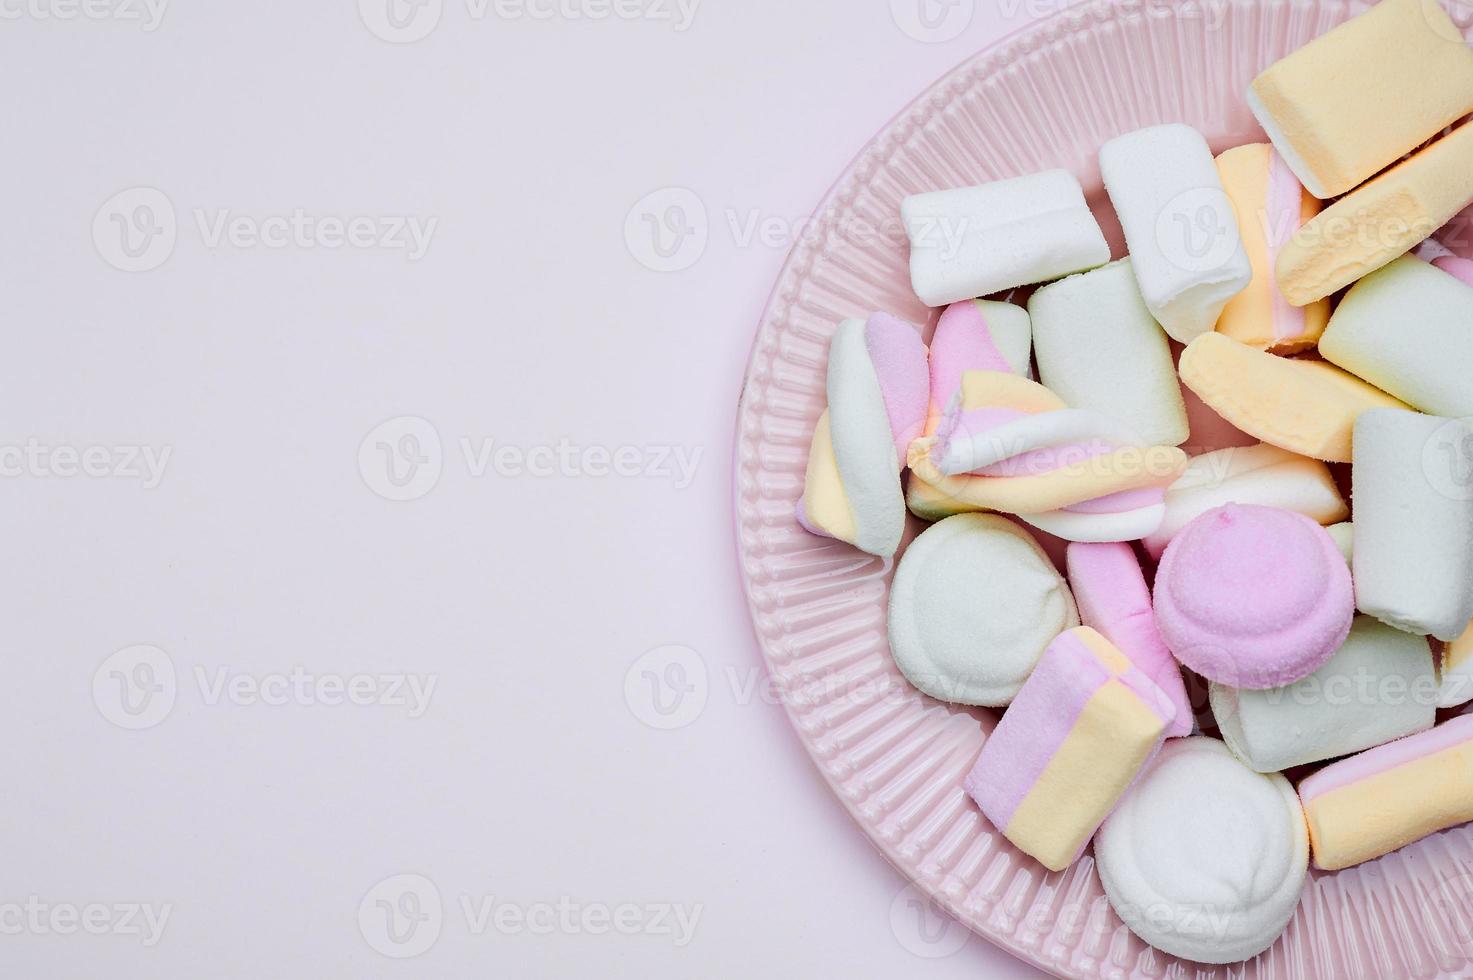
x=1455 y=266
x=1113 y=599
x=899 y=357
x=1254 y=597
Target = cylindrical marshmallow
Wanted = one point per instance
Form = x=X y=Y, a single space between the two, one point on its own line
x=1379 y=686
x=1253 y=597
x=1113 y=598
x=1263 y=475
x=1408 y=330
x=1376 y=802
x=1413 y=492
x=878 y=390
x=1353 y=100
x=973 y=335
x=974 y=604
x=1079 y=733
x=1204 y=858
x=1183 y=234
x=974 y=241
x=1270 y=204
x=1100 y=349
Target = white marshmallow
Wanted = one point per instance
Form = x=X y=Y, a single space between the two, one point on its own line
x=1381 y=685
x=1408 y=330
x=972 y=241
x=974 y=604
x=1344 y=535
x=1179 y=223
x=1413 y=491
x=1099 y=348
x=1263 y=475
x=1205 y=858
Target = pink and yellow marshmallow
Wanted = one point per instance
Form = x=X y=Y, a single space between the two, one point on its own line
x=1011 y=445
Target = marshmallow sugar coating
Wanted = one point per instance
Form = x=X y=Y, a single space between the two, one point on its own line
x=1271 y=205
x=1374 y=803
x=1263 y=475
x=1379 y=686
x=878 y=386
x=1113 y=598
x=1100 y=349
x=1352 y=102
x=1254 y=597
x=1077 y=735
x=1408 y=330
x=1167 y=193
x=974 y=604
x=1457 y=672
x=1414 y=522
x=973 y=241
x=1306 y=407
x=1379 y=221
x=1204 y=858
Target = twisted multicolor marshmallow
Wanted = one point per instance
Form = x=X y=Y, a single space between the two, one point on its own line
x=878 y=388
x=1009 y=444
x=973 y=335
x=1271 y=205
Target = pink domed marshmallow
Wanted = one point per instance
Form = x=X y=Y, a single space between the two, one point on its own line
x=1254 y=597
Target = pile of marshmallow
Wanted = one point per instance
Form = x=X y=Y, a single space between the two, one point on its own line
x=1321 y=635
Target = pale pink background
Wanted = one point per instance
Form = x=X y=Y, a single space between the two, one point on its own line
x=531 y=776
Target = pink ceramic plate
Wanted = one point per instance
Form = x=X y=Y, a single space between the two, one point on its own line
x=1046 y=98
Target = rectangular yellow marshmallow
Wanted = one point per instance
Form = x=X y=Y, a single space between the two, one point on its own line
x=1352 y=102
x=1380 y=222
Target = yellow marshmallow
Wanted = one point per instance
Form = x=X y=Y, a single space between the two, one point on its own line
x=1259 y=316
x=1352 y=102
x=1306 y=407
x=1380 y=222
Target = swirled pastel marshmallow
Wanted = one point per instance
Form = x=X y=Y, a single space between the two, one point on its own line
x=1353 y=101
x=973 y=335
x=1113 y=598
x=974 y=603
x=1254 y=597
x=1205 y=859
x=1379 y=686
x=878 y=392
x=1100 y=349
x=1011 y=445
x=1263 y=475
x=1306 y=407
x=1382 y=800
x=1270 y=204
x=1406 y=330
x=1414 y=521
x=1077 y=735
x=973 y=241
x=1179 y=224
